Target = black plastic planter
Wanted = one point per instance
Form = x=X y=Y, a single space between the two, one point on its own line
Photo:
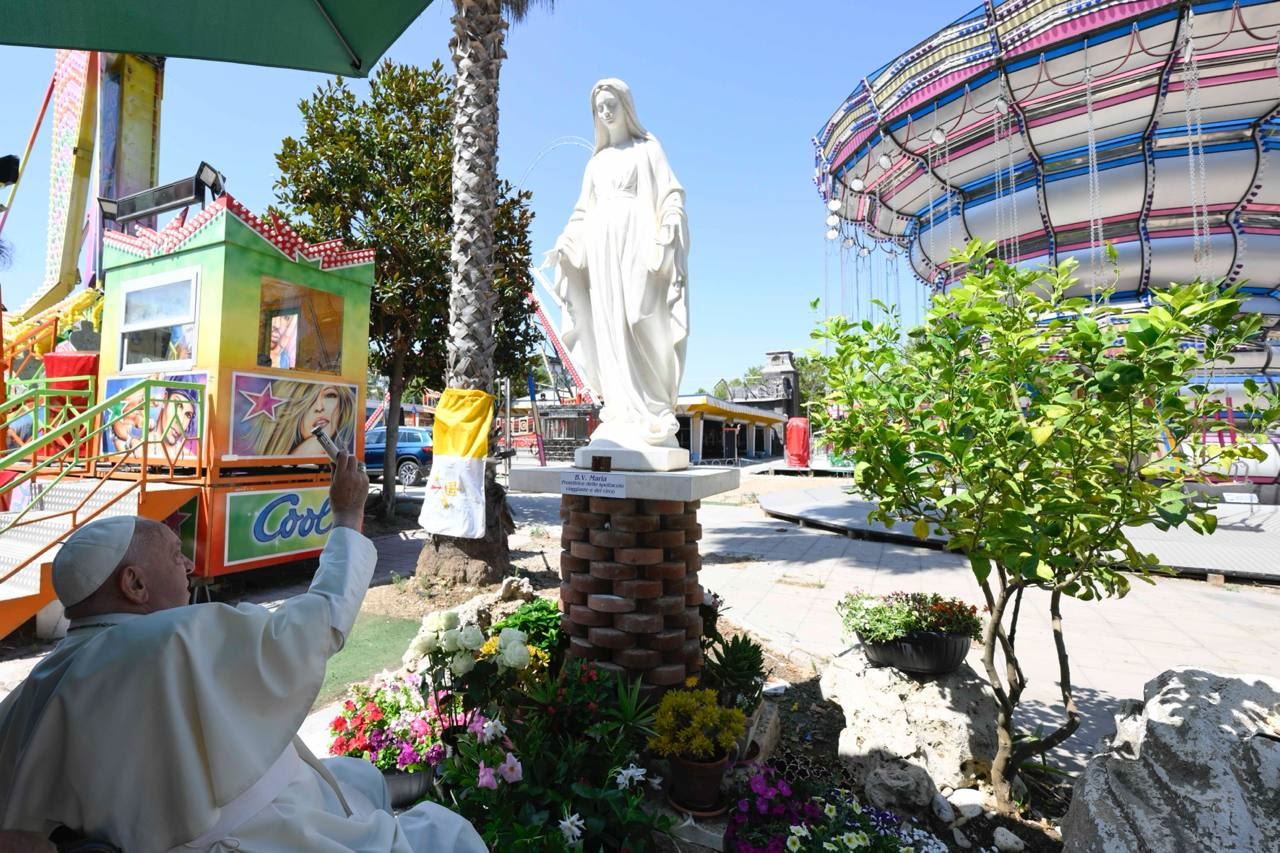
x=920 y=652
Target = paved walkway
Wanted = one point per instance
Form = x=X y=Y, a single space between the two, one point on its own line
x=1246 y=544
x=783 y=582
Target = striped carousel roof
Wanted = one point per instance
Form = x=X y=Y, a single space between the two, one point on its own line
x=1051 y=126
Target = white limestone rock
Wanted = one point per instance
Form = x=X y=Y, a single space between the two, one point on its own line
x=937 y=730
x=1007 y=842
x=942 y=809
x=1196 y=766
x=969 y=802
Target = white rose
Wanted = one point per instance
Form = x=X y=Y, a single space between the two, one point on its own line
x=430 y=642
x=448 y=620
x=471 y=637
x=511 y=636
x=431 y=623
x=514 y=656
x=462 y=663
x=449 y=640
x=417 y=648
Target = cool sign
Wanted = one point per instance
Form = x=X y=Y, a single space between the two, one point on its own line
x=262 y=525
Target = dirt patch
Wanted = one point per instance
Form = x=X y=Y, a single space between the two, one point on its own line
x=534 y=557
x=721 y=558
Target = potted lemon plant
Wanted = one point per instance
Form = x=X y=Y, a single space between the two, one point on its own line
x=696 y=733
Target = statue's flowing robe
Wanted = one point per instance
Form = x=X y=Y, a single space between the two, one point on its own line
x=177 y=729
x=627 y=318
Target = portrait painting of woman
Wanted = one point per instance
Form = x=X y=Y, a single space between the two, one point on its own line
x=285 y=428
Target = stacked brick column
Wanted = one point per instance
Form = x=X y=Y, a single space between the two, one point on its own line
x=629 y=586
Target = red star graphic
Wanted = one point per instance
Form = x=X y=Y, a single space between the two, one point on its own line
x=175 y=521
x=264 y=403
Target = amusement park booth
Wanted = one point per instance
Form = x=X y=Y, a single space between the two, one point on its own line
x=264 y=337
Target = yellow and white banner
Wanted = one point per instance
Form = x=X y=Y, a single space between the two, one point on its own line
x=454 y=505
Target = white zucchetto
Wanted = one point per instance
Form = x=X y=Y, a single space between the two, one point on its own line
x=89 y=556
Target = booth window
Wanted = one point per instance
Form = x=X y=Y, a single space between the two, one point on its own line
x=299 y=327
x=159 y=324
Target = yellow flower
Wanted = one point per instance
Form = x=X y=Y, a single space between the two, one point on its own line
x=691 y=682
x=490 y=647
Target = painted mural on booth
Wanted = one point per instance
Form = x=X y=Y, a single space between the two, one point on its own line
x=171 y=417
x=275 y=417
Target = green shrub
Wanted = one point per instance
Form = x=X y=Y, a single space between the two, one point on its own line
x=539 y=619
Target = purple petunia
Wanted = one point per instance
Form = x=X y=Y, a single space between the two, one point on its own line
x=408 y=755
x=435 y=754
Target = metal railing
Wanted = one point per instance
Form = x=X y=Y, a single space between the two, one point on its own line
x=86 y=442
x=25 y=344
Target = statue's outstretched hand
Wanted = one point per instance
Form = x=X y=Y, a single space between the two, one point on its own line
x=550 y=259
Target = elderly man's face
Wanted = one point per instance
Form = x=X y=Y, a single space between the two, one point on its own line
x=165 y=569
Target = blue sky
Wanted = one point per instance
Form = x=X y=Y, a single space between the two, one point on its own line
x=735 y=92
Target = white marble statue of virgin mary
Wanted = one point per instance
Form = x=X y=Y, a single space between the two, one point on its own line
x=620 y=272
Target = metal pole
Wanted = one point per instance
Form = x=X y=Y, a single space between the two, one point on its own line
x=506 y=391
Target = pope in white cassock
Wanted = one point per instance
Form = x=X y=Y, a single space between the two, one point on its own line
x=160 y=726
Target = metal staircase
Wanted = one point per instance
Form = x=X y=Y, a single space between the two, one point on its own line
x=51 y=516
x=61 y=477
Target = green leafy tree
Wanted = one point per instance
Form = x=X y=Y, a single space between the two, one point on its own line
x=813 y=379
x=376 y=172
x=1032 y=428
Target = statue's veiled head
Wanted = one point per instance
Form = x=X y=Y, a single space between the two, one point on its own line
x=611 y=106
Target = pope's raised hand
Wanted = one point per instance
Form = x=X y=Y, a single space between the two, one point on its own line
x=348 y=492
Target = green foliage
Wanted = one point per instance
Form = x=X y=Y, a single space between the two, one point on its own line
x=377 y=173
x=1019 y=423
x=577 y=738
x=539 y=619
x=692 y=724
x=879 y=619
x=1033 y=428
x=734 y=668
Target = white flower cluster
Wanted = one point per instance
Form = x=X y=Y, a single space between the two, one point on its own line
x=442 y=635
x=571 y=828
x=513 y=649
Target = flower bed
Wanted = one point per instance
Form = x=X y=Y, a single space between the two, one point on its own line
x=775 y=815
x=536 y=757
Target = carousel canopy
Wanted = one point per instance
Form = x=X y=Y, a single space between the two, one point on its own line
x=1055 y=126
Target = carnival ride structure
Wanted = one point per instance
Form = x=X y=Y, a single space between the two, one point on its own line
x=1052 y=128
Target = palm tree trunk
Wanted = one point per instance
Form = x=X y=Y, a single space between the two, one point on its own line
x=478 y=33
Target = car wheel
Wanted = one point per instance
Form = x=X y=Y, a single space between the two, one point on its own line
x=409 y=473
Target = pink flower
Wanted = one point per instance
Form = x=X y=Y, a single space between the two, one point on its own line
x=476 y=726
x=420 y=727
x=485 y=778
x=511 y=769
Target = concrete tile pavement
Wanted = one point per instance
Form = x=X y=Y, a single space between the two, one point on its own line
x=1115 y=646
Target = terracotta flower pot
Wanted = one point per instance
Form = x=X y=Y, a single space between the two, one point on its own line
x=695 y=785
x=920 y=652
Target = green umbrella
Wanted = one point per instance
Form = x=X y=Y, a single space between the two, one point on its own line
x=333 y=36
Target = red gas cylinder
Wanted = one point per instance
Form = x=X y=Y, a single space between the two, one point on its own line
x=798 y=443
